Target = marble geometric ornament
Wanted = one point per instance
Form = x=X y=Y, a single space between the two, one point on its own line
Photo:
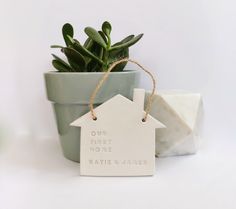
x=182 y=114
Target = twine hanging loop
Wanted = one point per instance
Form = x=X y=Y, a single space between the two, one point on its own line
x=104 y=78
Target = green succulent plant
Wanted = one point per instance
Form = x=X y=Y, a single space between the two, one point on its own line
x=96 y=54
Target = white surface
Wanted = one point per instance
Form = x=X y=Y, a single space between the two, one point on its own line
x=189 y=44
x=35 y=175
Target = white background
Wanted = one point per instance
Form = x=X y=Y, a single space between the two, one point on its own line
x=188 y=44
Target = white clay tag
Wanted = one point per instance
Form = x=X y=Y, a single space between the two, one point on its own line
x=118 y=143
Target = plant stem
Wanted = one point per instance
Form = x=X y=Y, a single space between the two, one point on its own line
x=106 y=55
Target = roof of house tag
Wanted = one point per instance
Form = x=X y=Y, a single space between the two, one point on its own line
x=118 y=143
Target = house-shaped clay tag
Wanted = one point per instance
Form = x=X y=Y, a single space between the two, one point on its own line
x=118 y=143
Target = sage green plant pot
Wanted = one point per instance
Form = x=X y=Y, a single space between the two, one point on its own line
x=70 y=94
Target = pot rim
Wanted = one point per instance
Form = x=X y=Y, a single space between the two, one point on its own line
x=91 y=73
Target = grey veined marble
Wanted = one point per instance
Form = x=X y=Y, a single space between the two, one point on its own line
x=182 y=114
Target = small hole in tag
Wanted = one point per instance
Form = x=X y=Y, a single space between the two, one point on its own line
x=143 y=120
x=95 y=118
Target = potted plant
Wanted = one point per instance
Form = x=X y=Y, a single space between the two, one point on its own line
x=70 y=87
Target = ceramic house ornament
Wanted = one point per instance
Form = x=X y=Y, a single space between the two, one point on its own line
x=118 y=142
x=182 y=113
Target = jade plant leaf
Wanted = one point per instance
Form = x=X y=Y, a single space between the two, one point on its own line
x=88 y=43
x=94 y=35
x=61 y=61
x=67 y=30
x=106 y=28
x=56 y=46
x=103 y=36
x=97 y=51
x=83 y=51
x=94 y=66
x=75 y=59
x=128 y=38
x=128 y=43
x=117 y=55
x=60 y=66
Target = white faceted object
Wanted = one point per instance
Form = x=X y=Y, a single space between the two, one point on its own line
x=181 y=112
